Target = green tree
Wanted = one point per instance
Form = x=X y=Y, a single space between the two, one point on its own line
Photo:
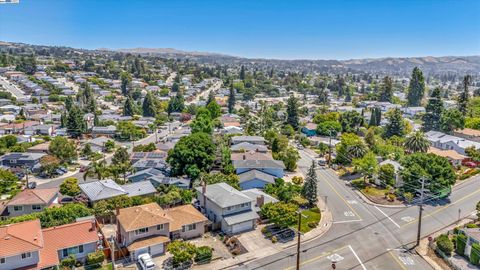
x=70 y=187
x=328 y=128
x=176 y=104
x=75 y=123
x=129 y=107
x=27 y=64
x=48 y=164
x=416 y=88
x=433 y=111
x=181 y=251
x=292 y=112
x=203 y=254
x=309 y=189
x=192 y=154
x=444 y=244
x=366 y=165
x=281 y=214
x=231 y=99
x=395 y=125
x=386 y=90
x=210 y=98
x=214 y=108
x=351 y=121
x=386 y=174
x=451 y=119
x=437 y=171
x=63 y=149
x=8 y=181
x=289 y=156
x=464 y=96
x=149 y=106
x=351 y=146
x=242 y=73
x=202 y=122
x=214 y=178
x=417 y=142
x=375 y=117
x=126 y=79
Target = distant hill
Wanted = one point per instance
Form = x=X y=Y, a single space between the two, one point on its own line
x=161 y=51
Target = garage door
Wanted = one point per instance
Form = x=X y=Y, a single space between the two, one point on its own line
x=157 y=249
x=134 y=255
x=241 y=227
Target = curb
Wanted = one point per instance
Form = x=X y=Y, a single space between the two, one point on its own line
x=368 y=201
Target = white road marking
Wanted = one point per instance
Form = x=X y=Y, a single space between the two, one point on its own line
x=406 y=260
x=347 y=221
x=356 y=256
x=408 y=219
x=335 y=257
x=348 y=214
x=352 y=202
x=398 y=226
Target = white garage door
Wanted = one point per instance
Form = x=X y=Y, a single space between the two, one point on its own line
x=244 y=226
x=157 y=249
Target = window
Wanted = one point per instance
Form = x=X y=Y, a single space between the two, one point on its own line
x=160 y=227
x=141 y=231
x=2 y=260
x=26 y=255
x=72 y=250
x=13 y=161
x=189 y=227
x=36 y=207
x=17 y=208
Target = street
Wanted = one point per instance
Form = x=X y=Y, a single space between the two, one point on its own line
x=365 y=236
x=14 y=90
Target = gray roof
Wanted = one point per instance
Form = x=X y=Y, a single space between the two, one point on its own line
x=249 y=147
x=22 y=156
x=259 y=164
x=104 y=129
x=224 y=195
x=256 y=174
x=165 y=180
x=103 y=189
x=239 y=139
x=254 y=193
x=139 y=188
x=240 y=217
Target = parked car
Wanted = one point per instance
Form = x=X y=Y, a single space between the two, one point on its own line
x=32 y=185
x=146 y=262
x=83 y=168
x=322 y=161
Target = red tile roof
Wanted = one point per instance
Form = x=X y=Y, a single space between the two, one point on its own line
x=20 y=237
x=60 y=237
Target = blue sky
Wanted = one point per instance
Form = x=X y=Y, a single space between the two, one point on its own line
x=294 y=29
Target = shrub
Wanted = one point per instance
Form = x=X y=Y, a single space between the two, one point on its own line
x=96 y=257
x=203 y=254
x=445 y=244
x=297 y=180
x=68 y=262
x=312 y=224
x=264 y=230
x=391 y=197
x=358 y=183
x=461 y=243
x=274 y=239
x=472 y=225
x=475 y=254
x=315 y=210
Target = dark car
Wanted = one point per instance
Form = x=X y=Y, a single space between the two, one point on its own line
x=32 y=185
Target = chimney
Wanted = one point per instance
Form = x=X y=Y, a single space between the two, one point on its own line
x=244 y=157
x=93 y=228
x=260 y=201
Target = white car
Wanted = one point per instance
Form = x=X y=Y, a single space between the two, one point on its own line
x=146 y=262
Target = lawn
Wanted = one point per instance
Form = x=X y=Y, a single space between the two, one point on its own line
x=310 y=217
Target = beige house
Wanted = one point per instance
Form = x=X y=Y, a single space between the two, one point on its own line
x=148 y=228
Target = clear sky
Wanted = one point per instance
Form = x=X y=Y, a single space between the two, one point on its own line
x=316 y=29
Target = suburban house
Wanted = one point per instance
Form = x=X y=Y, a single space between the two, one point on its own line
x=397 y=167
x=148 y=227
x=108 y=131
x=16 y=128
x=97 y=144
x=448 y=142
x=31 y=200
x=468 y=133
x=259 y=197
x=40 y=148
x=271 y=167
x=40 y=130
x=413 y=111
x=106 y=189
x=30 y=161
x=247 y=147
x=251 y=155
x=26 y=246
x=473 y=237
x=310 y=129
x=248 y=139
x=228 y=209
x=453 y=156
x=255 y=179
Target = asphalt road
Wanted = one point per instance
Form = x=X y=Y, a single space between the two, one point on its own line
x=13 y=89
x=365 y=236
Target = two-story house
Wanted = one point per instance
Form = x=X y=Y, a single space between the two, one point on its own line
x=248 y=139
x=30 y=161
x=31 y=200
x=227 y=208
x=258 y=173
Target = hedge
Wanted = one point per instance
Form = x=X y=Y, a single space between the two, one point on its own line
x=203 y=254
x=475 y=254
x=95 y=257
x=445 y=244
x=461 y=243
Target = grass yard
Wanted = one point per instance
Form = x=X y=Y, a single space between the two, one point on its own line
x=310 y=217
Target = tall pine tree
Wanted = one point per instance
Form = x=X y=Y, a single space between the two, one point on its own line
x=386 y=90
x=433 y=111
x=464 y=95
x=148 y=106
x=75 y=123
x=309 y=189
x=395 y=125
x=129 y=107
x=231 y=99
x=292 y=112
x=416 y=88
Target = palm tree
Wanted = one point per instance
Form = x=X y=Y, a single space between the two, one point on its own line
x=417 y=142
x=98 y=169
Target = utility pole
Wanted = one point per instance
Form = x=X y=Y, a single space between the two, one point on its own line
x=156 y=135
x=329 y=148
x=298 y=239
x=112 y=250
x=420 y=212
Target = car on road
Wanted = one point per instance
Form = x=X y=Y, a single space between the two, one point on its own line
x=146 y=262
x=83 y=168
x=32 y=185
x=322 y=161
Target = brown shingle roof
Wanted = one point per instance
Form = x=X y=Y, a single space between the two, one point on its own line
x=184 y=215
x=148 y=241
x=34 y=196
x=142 y=216
x=20 y=237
